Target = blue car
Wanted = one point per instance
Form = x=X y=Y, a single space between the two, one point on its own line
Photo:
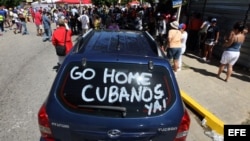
x=114 y=86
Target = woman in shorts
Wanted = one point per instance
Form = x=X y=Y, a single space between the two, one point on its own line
x=232 y=49
x=174 y=44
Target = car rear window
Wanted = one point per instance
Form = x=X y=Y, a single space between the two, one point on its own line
x=116 y=89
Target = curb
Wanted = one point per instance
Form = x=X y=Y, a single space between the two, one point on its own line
x=211 y=120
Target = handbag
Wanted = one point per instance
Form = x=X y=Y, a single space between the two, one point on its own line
x=61 y=50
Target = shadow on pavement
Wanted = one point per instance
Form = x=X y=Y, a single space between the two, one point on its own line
x=239 y=72
x=56 y=68
x=204 y=72
x=242 y=77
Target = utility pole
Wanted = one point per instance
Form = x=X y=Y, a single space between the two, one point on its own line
x=52 y=3
x=246 y=15
x=80 y=6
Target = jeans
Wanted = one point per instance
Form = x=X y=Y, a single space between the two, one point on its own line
x=1 y=26
x=25 y=31
x=47 y=34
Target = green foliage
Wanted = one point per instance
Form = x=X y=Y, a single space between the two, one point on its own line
x=10 y=3
x=114 y=2
x=104 y=2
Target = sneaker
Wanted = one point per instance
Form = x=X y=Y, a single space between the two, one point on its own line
x=179 y=69
x=208 y=61
x=204 y=59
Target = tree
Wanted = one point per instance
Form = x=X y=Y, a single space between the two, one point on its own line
x=123 y=2
x=104 y=2
x=10 y=3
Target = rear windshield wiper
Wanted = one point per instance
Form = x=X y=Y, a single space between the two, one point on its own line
x=112 y=108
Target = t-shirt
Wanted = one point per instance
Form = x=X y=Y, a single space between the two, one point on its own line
x=84 y=19
x=195 y=24
x=2 y=14
x=38 y=18
x=211 y=32
x=205 y=25
x=174 y=37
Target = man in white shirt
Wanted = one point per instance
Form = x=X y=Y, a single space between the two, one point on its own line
x=74 y=11
x=84 y=19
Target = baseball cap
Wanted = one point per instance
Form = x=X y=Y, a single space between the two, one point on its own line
x=214 y=20
x=182 y=26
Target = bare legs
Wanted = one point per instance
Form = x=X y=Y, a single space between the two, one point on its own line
x=175 y=64
x=229 y=71
x=208 y=52
x=221 y=68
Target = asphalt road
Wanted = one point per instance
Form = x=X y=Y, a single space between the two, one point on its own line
x=26 y=68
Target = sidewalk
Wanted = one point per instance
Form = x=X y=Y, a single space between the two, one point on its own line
x=228 y=102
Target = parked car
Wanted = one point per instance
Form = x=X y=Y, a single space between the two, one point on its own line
x=114 y=86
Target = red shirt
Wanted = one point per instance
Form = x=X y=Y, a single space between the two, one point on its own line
x=38 y=18
x=59 y=36
x=32 y=12
x=195 y=24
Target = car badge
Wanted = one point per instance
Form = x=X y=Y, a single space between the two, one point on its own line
x=114 y=133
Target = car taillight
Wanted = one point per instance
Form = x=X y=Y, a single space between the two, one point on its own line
x=183 y=128
x=44 y=124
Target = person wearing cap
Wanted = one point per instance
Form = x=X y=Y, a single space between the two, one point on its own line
x=202 y=34
x=59 y=37
x=174 y=44
x=184 y=36
x=211 y=39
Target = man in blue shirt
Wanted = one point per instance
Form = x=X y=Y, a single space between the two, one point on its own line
x=3 y=15
x=47 y=26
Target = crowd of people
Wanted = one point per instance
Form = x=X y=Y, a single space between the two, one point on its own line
x=173 y=37
x=103 y=17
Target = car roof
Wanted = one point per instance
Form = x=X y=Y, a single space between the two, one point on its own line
x=119 y=42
